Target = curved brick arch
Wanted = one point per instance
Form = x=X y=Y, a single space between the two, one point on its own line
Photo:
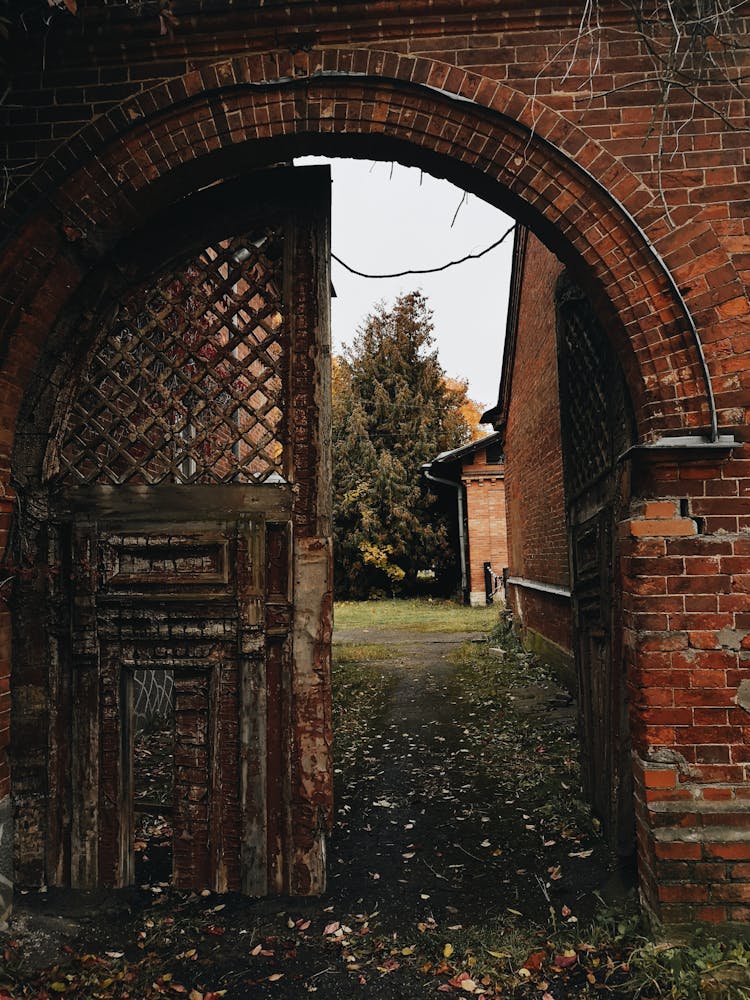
x=481 y=134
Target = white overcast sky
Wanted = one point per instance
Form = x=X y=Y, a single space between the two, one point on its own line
x=390 y=218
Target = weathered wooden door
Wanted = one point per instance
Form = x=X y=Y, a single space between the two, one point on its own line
x=188 y=491
x=177 y=583
x=596 y=428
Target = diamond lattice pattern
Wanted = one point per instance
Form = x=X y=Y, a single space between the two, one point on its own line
x=587 y=412
x=188 y=384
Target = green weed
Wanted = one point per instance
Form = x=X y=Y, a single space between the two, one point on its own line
x=425 y=615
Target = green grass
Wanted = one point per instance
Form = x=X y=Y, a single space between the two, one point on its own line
x=364 y=652
x=415 y=615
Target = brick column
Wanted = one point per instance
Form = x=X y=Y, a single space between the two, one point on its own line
x=686 y=617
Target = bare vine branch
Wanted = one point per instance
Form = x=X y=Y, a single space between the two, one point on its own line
x=689 y=46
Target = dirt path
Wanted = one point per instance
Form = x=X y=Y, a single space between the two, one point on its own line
x=420 y=805
x=453 y=817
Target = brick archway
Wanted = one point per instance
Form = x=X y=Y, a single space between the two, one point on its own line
x=482 y=135
x=122 y=168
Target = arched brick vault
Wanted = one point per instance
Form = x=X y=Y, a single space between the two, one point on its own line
x=250 y=111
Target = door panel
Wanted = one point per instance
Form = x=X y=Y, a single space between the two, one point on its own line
x=189 y=601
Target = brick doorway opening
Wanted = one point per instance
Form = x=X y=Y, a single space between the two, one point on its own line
x=589 y=206
x=174 y=517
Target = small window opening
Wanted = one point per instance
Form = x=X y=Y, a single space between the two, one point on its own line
x=153 y=775
x=494 y=454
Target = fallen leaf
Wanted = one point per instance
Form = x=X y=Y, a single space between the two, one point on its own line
x=534 y=962
x=568 y=958
x=447 y=951
x=390 y=965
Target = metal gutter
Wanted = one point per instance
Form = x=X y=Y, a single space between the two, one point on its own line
x=458 y=487
x=545 y=588
x=697 y=443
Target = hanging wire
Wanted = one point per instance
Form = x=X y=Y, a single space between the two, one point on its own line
x=428 y=270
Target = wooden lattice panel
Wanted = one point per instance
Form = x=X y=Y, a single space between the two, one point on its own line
x=596 y=413
x=188 y=384
x=586 y=414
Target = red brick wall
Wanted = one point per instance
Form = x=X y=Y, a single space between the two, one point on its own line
x=547 y=615
x=485 y=515
x=538 y=545
x=687 y=623
x=534 y=474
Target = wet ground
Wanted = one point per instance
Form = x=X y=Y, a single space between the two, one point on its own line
x=463 y=860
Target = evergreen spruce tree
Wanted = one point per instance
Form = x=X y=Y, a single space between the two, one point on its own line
x=393 y=410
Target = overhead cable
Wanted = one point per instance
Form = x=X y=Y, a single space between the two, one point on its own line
x=428 y=270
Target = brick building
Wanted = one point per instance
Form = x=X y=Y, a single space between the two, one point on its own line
x=124 y=127
x=477 y=473
x=538 y=585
